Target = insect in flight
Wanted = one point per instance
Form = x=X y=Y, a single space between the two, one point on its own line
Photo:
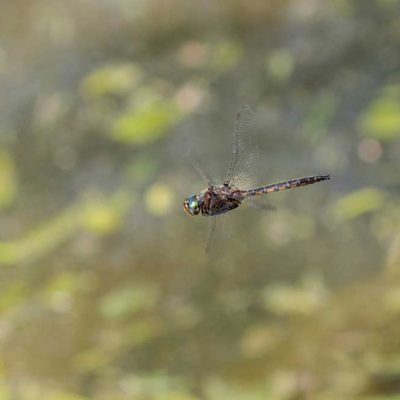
x=219 y=199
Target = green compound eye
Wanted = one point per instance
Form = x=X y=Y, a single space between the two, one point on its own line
x=193 y=203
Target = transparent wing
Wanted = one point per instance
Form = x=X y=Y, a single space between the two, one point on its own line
x=217 y=230
x=211 y=234
x=260 y=204
x=199 y=169
x=192 y=159
x=244 y=151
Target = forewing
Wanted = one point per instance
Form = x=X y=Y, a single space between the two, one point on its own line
x=244 y=151
x=194 y=162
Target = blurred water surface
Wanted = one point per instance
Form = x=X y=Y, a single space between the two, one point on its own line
x=105 y=289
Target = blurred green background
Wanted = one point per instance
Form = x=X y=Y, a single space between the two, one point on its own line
x=105 y=289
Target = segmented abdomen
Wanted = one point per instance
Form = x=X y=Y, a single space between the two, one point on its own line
x=290 y=184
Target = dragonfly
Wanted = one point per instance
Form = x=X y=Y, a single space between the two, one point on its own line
x=216 y=200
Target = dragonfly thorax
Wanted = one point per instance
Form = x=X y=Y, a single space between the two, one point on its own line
x=192 y=205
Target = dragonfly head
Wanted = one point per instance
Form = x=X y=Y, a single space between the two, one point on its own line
x=192 y=205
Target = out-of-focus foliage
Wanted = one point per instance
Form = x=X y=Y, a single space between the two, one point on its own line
x=306 y=299
x=113 y=80
x=96 y=215
x=159 y=199
x=105 y=289
x=146 y=124
x=359 y=202
x=280 y=64
x=382 y=118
